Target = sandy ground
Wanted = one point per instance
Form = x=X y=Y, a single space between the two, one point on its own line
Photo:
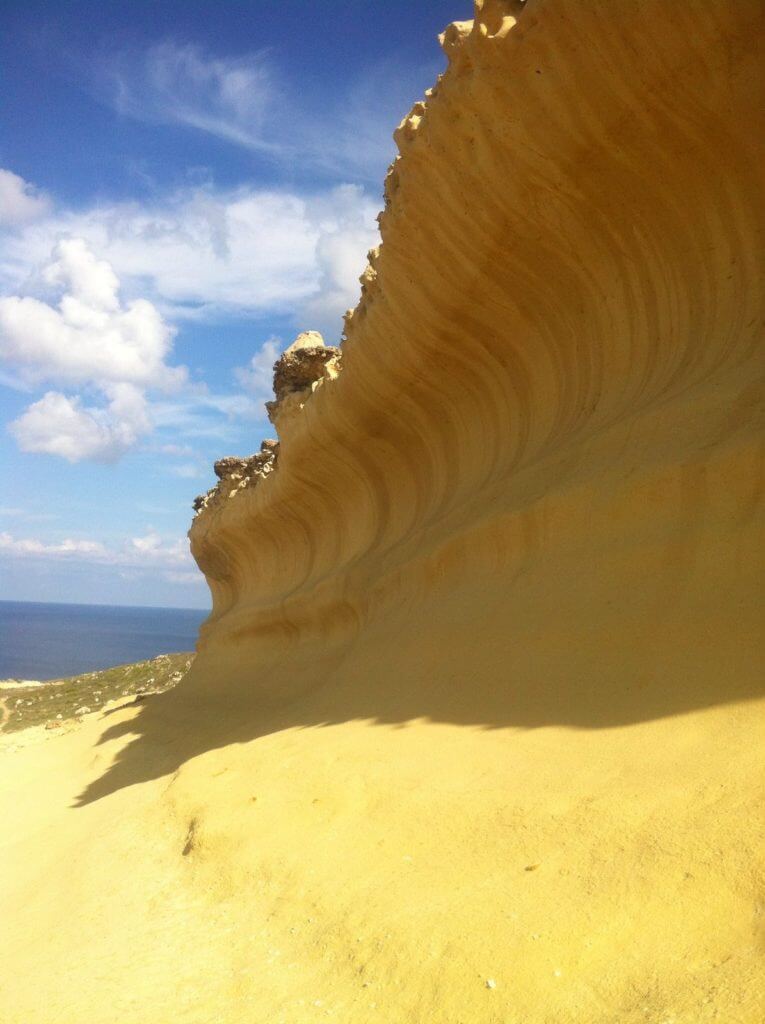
x=390 y=872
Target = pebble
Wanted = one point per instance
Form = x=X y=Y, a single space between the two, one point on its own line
x=491 y=983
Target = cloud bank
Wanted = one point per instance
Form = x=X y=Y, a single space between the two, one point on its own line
x=95 y=296
x=202 y=252
x=170 y=83
x=89 y=339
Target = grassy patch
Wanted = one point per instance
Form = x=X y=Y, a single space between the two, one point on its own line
x=60 y=700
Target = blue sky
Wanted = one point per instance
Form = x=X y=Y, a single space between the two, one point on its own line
x=183 y=188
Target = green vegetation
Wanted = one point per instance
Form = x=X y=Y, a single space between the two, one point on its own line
x=53 y=703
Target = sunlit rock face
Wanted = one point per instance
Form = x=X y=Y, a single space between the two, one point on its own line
x=474 y=732
x=565 y=304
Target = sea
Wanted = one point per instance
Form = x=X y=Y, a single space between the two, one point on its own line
x=49 y=641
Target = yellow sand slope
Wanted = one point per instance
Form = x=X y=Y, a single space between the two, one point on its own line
x=474 y=733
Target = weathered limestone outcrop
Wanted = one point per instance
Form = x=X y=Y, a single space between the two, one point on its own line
x=236 y=473
x=302 y=368
x=537 y=283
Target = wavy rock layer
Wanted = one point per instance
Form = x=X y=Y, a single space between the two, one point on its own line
x=570 y=250
x=474 y=730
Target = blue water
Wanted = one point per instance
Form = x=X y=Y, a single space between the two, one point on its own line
x=46 y=641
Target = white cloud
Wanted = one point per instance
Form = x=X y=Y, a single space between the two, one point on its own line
x=201 y=252
x=29 y=547
x=19 y=201
x=184 y=576
x=93 y=292
x=57 y=425
x=150 y=553
x=152 y=547
x=89 y=337
x=258 y=376
x=86 y=281
x=337 y=255
x=150 y=558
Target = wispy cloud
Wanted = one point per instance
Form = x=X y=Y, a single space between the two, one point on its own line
x=233 y=98
x=198 y=413
x=28 y=517
x=188 y=471
x=184 y=577
x=249 y=101
x=176 y=450
x=257 y=377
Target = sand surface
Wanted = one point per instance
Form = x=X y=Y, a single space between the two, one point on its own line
x=475 y=732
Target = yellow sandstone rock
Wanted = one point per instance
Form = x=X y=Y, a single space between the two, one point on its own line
x=475 y=730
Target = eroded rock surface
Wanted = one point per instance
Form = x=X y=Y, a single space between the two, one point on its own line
x=235 y=474
x=305 y=365
x=474 y=731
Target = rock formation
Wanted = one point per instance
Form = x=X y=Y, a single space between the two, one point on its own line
x=301 y=368
x=234 y=473
x=567 y=248
x=474 y=730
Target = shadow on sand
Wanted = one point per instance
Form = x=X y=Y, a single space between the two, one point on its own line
x=216 y=706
